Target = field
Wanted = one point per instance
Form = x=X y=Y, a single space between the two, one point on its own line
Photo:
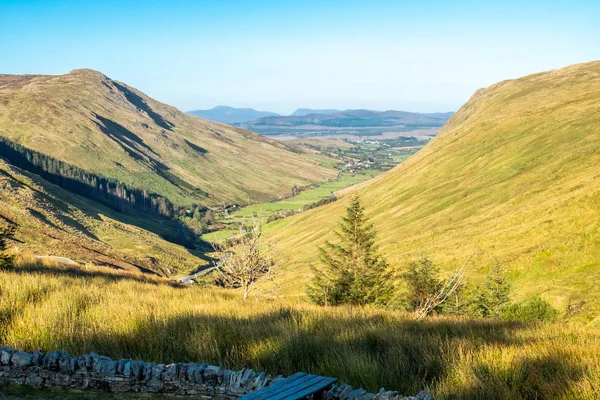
x=48 y=307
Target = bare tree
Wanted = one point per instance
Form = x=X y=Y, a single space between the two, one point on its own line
x=245 y=260
x=454 y=282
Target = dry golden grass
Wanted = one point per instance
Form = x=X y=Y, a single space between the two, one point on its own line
x=127 y=315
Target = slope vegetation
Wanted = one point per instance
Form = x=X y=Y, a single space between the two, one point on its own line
x=514 y=173
x=50 y=221
x=110 y=129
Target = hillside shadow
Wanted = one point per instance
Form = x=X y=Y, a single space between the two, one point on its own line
x=137 y=101
x=81 y=272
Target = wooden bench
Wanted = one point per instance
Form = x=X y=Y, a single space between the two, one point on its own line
x=298 y=386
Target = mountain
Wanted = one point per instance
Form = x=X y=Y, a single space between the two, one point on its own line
x=230 y=115
x=513 y=173
x=306 y=111
x=102 y=138
x=350 y=122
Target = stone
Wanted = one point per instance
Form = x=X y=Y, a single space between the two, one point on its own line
x=120 y=366
x=424 y=395
x=5 y=355
x=383 y=395
x=111 y=367
x=35 y=381
x=127 y=369
x=211 y=375
x=136 y=369
x=157 y=371
x=148 y=368
x=38 y=358
x=21 y=359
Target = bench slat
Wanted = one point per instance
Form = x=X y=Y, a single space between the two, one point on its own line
x=325 y=384
x=315 y=383
x=266 y=392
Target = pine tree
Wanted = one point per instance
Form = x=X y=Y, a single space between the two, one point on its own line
x=5 y=259
x=493 y=294
x=353 y=271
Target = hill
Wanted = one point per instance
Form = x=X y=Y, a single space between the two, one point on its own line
x=51 y=221
x=514 y=173
x=306 y=111
x=90 y=130
x=230 y=115
x=350 y=123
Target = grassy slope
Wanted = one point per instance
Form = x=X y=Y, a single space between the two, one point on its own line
x=514 y=173
x=51 y=221
x=107 y=127
x=138 y=317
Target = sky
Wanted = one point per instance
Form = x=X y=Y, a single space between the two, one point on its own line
x=423 y=56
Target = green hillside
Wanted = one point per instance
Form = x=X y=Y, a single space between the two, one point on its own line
x=50 y=221
x=514 y=173
x=108 y=128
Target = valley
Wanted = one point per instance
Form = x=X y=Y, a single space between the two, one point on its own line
x=456 y=253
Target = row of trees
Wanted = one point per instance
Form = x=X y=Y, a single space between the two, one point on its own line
x=353 y=271
x=110 y=192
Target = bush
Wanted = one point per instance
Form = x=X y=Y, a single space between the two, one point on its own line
x=533 y=309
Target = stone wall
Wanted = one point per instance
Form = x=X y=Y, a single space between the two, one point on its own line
x=59 y=370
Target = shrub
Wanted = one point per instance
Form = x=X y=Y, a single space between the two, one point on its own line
x=533 y=309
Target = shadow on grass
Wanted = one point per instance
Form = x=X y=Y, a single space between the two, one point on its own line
x=366 y=351
x=80 y=272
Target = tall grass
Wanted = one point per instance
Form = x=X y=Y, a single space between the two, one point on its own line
x=124 y=315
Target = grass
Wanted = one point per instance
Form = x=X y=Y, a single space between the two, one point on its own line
x=513 y=173
x=122 y=314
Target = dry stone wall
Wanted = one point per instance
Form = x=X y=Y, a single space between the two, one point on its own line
x=92 y=371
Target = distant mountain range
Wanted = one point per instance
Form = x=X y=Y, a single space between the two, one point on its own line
x=384 y=124
x=230 y=115
x=306 y=111
x=308 y=122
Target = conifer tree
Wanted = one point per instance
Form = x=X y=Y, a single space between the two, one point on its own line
x=493 y=294
x=352 y=271
x=5 y=259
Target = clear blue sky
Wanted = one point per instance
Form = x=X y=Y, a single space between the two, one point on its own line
x=280 y=55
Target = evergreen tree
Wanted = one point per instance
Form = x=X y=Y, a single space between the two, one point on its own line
x=5 y=259
x=422 y=282
x=493 y=294
x=351 y=272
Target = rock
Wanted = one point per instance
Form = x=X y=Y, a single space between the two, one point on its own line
x=148 y=368
x=38 y=358
x=424 y=395
x=35 y=381
x=136 y=369
x=127 y=369
x=111 y=367
x=383 y=395
x=5 y=355
x=21 y=359
x=157 y=371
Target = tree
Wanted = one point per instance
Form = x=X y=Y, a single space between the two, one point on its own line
x=353 y=271
x=246 y=260
x=6 y=260
x=493 y=294
x=422 y=282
